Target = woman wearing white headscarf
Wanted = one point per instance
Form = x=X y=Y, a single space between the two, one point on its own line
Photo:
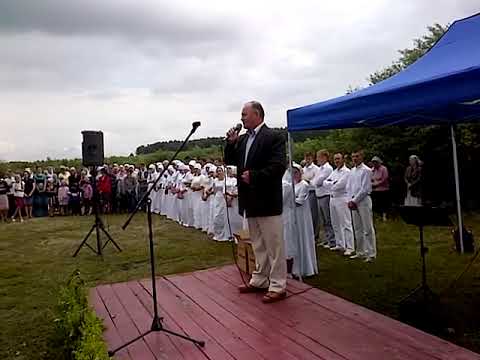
x=413 y=179
x=151 y=178
x=177 y=205
x=207 y=198
x=220 y=228
x=302 y=242
x=186 y=203
x=170 y=197
x=196 y=196
x=164 y=192
x=210 y=195
x=236 y=221
x=157 y=200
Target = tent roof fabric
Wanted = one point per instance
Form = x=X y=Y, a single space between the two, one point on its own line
x=443 y=86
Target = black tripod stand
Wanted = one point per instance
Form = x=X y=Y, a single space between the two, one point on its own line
x=157 y=321
x=422 y=216
x=97 y=225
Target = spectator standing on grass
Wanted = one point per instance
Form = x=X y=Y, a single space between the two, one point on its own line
x=413 y=179
x=29 y=191
x=142 y=177
x=51 y=193
x=323 y=197
x=380 y=188
x=340 y=214
x=74 y=195
x=104 y=187
x=310 y=171
x=87 y=195
x=40 y=199
x=4 y=188
x=11 y=199
x=359 y=188
x=130 y=185
x=63 y=197
x=18 y=193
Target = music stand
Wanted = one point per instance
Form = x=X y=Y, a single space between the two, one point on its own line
x=422 y=216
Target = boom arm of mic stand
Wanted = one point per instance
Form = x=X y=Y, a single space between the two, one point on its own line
x=147 y=194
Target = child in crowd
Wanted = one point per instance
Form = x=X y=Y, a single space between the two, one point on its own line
x=74 y=201
x=51 y=192
x=63 y=197
x=18 y=193
x=87 y=194
x=4 y=188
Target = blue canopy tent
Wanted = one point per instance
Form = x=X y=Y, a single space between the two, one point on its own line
x=442 y=87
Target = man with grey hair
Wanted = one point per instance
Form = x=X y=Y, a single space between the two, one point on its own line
x=260 y=157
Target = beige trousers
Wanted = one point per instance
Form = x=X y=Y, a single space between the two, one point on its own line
x=266 y=234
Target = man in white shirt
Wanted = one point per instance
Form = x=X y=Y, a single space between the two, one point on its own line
x=339 y=212
x=359 y=188
x=309 y=173
x=323 y=197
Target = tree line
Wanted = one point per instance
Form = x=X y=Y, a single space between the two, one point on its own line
x=394 y=144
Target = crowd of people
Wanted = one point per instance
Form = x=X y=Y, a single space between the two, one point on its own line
x=329 y=206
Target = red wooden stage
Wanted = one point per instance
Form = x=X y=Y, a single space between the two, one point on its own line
x=309 y=324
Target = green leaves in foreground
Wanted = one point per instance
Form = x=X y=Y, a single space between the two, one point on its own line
x=78 y=331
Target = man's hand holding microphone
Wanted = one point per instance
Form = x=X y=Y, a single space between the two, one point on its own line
x=232 y=137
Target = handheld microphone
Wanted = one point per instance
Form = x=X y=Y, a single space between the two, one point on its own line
x=237 y=129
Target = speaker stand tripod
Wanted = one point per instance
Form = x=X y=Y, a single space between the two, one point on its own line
x=97 y=225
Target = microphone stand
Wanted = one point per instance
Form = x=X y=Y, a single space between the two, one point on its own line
x=157 y=325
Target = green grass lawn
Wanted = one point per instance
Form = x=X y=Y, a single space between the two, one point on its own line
x=36 y=258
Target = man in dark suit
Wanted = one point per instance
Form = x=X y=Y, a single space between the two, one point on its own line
x=260 y=157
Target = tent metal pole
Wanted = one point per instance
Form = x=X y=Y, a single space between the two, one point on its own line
x=457 y=187
x=295 y=224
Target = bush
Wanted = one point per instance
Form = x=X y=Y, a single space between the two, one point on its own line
x=78 y=330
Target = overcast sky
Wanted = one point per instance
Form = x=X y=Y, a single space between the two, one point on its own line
x=143 y=70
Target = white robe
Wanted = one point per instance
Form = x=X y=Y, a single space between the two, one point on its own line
x=220 y=226
x=288 y=223
x=236 y=221
x=186 y=202
x=152 y=176
x=163 y=205
x=303 y=235
x=177 y=205
x=196 y=201
x=207 y=205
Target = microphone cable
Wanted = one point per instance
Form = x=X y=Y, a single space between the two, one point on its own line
x=231 y=238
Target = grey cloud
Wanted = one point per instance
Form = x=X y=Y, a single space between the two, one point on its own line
x=160 y=20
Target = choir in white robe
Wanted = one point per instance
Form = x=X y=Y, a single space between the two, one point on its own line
x=303 y=239
x=207 y=203
x=220 y=224
x=196 y=201
x=236 y=221
x=340 y=214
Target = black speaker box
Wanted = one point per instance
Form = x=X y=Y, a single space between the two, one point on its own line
x=92 y=148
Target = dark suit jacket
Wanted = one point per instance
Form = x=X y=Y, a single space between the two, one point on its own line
x=266 y=163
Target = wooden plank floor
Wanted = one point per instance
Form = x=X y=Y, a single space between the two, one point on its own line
x=309 y=324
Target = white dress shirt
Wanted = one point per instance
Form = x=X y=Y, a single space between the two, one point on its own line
x=336 y=183
x=323 y=173
x=252 y=134
x=309 y=173
x=359 y=184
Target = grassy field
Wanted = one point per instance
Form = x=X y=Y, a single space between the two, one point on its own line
x=35 y=259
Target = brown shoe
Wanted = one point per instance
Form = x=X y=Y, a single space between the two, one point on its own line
x=271 y=297
x=245 y=289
